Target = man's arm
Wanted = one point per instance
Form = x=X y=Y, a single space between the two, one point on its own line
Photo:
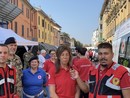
x=126 y=93
x=83 y=86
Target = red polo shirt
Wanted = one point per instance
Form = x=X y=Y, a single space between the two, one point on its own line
x=64 y=84
x=75 y=59
x=82 y=66
x=48 y=65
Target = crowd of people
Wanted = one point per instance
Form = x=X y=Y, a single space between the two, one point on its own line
x=60 y=75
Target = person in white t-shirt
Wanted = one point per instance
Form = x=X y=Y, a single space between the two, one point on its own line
x=41 y=58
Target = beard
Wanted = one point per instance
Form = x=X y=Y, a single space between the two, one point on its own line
x=103 y=60
x=104 y=65
x=12 y=52
x=2 y=61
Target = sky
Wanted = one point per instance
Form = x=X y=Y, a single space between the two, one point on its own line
x=78 y=18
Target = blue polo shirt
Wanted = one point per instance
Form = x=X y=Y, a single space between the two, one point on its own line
x=33 y=83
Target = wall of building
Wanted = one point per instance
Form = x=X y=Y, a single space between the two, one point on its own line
x=34 y=24
x=114 y=14
x=22 y=24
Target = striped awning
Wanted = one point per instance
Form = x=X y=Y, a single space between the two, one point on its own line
x=8 y=11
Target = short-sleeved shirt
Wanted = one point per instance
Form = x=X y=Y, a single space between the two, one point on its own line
x=33 y=83
x=41 y=60
x=48 y=65
x=75 y=59
x=82 y=66
x=65 y=85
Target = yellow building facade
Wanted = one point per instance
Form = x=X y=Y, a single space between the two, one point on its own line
x=113 y=14
x=47 y=29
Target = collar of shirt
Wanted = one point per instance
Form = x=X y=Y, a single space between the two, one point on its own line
x=29 y=69
x=102 y=72
x=66 y=69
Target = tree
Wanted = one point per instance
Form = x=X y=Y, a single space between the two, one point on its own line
x=78 y=44
x=86 y=45
x=66 y=35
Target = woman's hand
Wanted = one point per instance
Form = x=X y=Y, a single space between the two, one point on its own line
x=74 y=73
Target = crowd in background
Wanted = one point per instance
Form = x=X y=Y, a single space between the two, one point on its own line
x=58 y=74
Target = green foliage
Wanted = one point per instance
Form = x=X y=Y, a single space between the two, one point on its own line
x=125 y=63
x=78 y=44
x=66 y=34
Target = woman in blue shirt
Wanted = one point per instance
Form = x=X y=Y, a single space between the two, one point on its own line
x=33 y=80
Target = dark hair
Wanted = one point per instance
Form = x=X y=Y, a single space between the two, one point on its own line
x=59 y=51
x=78 y=49
x=4 y=45
x=81 y=50
x=105 y=45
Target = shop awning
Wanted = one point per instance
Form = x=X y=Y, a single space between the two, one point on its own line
x=47 y=46
x=8 y=11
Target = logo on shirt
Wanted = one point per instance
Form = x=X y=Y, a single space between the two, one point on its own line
x=39 y=76
x=48 y=75
x=115 y=81
x=85 y=65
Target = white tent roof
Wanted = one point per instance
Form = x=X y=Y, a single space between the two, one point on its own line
x=6 y=33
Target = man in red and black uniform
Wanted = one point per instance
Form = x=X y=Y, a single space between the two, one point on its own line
x=7 y=75
x=82 y=65
x=108 y=80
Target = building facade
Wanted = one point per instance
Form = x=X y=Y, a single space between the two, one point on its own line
x=65 y=39
x=72 y=42
x=24 y=24
x=113 y=14
x=47 y=30
x=34 y=24
x=95 y=38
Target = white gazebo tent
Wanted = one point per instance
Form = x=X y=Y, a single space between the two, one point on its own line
x=6 y=33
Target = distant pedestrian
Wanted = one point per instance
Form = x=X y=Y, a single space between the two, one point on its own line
x=82 y=65
x=77 y=56
x=95 y=58
x=26 y=57
x=47 y=56
x=41 y=58
x=90 y=54
x=87 y=54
